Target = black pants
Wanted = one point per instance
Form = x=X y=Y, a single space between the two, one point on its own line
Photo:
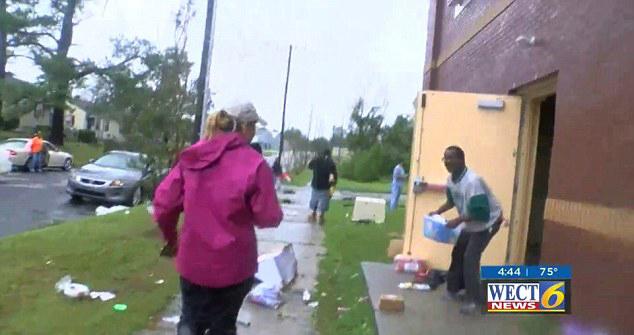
x=464 y=272
x=211 y=311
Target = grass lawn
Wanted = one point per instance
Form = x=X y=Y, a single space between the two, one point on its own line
x=5 y=134
x=117 y=253
x=344 y=184
x=82 y=152
x=340 y=273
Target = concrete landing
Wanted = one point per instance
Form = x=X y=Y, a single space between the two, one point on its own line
x=428 y=313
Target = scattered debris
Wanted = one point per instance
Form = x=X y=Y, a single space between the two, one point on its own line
x=342 y=309
x=72 y=290
x=314 y=304
x=394 y=248
x=363 y=299
x=159 y=282
x=287 y=201
x=354 y=276
x=102 y=210
x=414 y=286
x=103 y=296
x=243 y=320
x=277 y=268
x=339 y=298
x=150 y=210
x=282 y=316
x=323 y=294
x=172 y=319
x=408 y=264
x=127 y=212
x=266 y=295
x=288 y=191
x=306 y=297
x=49 y=262
x=391 y=303
x=120 y=307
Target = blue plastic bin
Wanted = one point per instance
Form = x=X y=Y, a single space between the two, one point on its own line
x=434 y=228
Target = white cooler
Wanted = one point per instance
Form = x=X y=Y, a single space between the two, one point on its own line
x=369 y=209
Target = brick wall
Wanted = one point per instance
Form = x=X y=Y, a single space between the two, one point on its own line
x=589 y=44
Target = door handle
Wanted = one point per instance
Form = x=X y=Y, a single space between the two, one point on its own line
x=419 y=185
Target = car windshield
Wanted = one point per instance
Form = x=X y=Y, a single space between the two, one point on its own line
x=120 y=161
x=12 y=145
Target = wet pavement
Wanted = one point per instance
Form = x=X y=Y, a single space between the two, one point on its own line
x=34 y=200
x=294 y=317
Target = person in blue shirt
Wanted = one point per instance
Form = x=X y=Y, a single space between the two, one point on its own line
x=398 y=178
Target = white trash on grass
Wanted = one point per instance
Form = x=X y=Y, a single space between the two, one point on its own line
x=103 y=296
x=70 y=289
x=102 y=210
x=172 y=319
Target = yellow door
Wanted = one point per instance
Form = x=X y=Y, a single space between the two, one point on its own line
x=487 y=128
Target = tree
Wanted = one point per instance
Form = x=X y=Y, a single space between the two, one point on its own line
x=20 y=26
x=397 y=140
x=365 y=127
x=61 y=72
x=153 y=100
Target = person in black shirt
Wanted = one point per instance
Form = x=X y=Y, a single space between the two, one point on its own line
x=324 y=176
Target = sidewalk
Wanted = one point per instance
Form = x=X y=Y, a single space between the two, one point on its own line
x=293 y=318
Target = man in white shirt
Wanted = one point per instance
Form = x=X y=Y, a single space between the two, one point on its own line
x=481 y=217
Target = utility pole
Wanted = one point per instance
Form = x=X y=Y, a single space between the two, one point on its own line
x=202 y=82
x=310 y=123
x=288 y=72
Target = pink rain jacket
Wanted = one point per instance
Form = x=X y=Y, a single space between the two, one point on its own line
x=224 y=188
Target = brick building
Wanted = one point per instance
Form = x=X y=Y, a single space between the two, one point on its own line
x=574 y=60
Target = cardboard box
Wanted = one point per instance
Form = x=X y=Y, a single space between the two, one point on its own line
x=278 y=268
x=391 y=303
x=395 y=248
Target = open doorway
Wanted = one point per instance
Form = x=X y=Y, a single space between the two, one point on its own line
x=539 y=194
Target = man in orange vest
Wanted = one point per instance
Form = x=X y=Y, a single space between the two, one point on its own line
x=37 y=146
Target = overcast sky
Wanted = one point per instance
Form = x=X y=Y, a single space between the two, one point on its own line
x=342 y=50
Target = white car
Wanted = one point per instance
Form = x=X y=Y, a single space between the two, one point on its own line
x=20 y=158
x=5 y=163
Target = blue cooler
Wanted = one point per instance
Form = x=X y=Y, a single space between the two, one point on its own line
x=434 y=227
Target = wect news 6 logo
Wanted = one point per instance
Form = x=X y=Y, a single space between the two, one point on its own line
x=527 y=296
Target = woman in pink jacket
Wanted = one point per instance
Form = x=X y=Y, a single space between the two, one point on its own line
x=224 y=188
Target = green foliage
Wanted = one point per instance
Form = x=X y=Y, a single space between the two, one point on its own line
x=365 y=127
x=86 y=136
x=8 y=123
x=150 y=104
x=389 y=146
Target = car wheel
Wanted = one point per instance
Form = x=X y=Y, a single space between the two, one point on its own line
x=137 y=197
x=68 y=164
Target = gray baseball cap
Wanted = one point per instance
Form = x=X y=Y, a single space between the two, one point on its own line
x=245 y=113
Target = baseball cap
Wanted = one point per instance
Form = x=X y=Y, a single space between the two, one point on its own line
x=245 y=113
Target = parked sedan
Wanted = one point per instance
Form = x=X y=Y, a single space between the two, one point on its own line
x=19 y=154
x=118 y=177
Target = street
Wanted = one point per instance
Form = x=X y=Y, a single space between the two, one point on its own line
x=30 y=201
